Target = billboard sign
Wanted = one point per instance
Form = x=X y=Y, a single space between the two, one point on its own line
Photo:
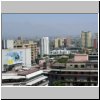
x=14 y=57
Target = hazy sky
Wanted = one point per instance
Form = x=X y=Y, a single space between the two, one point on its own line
x=39 y=25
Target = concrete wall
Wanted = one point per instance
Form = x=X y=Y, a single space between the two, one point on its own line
x=80 y=58
x=72 y=65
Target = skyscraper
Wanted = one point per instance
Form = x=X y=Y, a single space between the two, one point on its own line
x=44 y=46
x=59 y=42
x=56 y=42
x=67 y=41
x=86 y=39
x=95 y=41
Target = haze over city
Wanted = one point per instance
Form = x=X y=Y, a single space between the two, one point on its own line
x=31 y=58
x=52 y=25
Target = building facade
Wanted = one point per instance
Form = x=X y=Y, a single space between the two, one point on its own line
x=19 y=43
x=68 y=41
x=59 y=42
x=11 y=57
x=44 y=46
x=24 y=77
x=95 y=41
x=86 y=39
x=60 y=52
x=77 y=72
x=34 y=49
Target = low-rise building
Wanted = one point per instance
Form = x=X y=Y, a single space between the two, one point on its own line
x=24 y=77
x=59 y=52
x=76 y=72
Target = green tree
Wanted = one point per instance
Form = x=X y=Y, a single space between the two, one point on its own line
x=71 y=56
x=58 y=83
x=62 y=60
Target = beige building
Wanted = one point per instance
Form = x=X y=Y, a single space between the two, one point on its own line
x=86 y=39
x=33 y=46
x=56 y=42
x=27 y=44
x=59 y=42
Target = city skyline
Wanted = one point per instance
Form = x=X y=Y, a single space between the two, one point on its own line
x=51 y=25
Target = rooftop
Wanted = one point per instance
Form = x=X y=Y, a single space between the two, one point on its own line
x=26 y=72
x=80 y=58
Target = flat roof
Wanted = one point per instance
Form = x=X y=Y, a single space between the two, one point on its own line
x=29 y=71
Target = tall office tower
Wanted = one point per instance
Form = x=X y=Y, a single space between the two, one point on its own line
x=68 y=41
x=95 y=41
x=59 y=42
x=65 y=42
x=44 y=46
x=56 y=42
x=86 y=39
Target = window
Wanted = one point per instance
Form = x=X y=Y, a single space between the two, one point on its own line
x=76 y=66
x=81 y=72
x=62 y=78
x=75 y=72
x=95 y=66
x=82 y=66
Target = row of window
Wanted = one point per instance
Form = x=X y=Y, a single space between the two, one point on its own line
x=61 y=72
x=84 y=66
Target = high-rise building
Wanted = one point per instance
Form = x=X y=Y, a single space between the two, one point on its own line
x=19 y=43
x=59 y=42
x=67 y=42
x=44 y=46
x=86 y=39
x=33 y=46
x=56 y=42
x=95 y=41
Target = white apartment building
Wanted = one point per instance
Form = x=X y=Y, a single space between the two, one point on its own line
x=44 y=46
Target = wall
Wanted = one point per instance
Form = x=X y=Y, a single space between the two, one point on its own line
x=72 y=65
x=10 y=44
x=14 y=56
x=81 y=58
